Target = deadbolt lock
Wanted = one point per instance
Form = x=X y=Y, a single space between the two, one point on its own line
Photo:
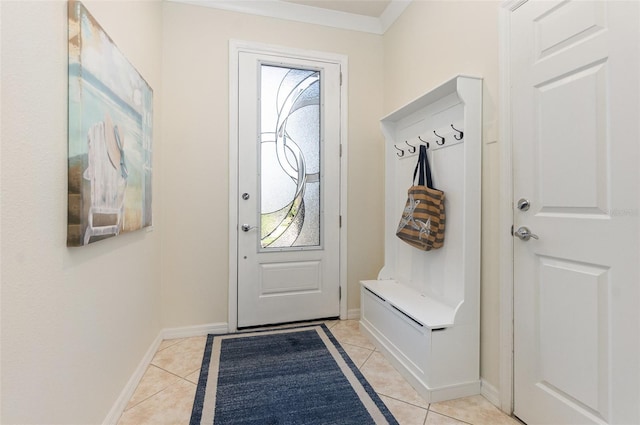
x=524 y=204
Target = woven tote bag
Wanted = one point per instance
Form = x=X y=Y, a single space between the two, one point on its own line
x=423 y=219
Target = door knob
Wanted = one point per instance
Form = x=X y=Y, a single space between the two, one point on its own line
x=247 y=227
x=524 y=233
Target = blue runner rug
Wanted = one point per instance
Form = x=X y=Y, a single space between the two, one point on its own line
x=285 y=376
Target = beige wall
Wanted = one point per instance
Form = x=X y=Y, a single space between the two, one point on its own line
x=430 y=43
x=75 y=322
x=196 y=171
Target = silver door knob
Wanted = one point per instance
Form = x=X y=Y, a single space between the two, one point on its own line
x=524 y=233
x=247 y=227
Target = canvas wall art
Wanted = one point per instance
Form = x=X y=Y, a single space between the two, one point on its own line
x=110 y=136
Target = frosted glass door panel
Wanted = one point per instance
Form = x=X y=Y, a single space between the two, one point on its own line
x=290 y=157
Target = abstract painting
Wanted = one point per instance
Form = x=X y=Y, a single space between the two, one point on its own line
x=110 y=136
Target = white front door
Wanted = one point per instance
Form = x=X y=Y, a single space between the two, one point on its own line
x=289 y=189
x=575 y=113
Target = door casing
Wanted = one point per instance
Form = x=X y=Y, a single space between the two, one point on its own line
x=235 y=47
x=506 y=209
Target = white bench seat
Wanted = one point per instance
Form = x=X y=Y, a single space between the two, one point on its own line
x=419 y=307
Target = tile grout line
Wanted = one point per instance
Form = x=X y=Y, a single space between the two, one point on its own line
x=143 y=400
x=154 y=394
x=158 y=392
x=177 y=341
x=366 y=360
x=426 y=409
x=450 y=417
x=180 y=378
x=173 y=373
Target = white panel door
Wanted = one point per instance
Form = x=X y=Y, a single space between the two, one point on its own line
x=575 y=111
x=289 y=189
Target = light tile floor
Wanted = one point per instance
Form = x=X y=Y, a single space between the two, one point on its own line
x=166 y=392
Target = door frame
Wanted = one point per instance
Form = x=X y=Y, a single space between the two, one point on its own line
x=235 y=48
x=506 y=269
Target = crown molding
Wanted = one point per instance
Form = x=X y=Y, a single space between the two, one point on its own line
x=310 y=15
x=392 y=13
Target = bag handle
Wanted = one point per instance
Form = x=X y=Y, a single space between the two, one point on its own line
x=425 y=170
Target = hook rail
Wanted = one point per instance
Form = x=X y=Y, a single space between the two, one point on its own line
x=441 y=141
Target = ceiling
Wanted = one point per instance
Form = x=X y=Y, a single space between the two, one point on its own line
x=372 y=16
x=373 y=8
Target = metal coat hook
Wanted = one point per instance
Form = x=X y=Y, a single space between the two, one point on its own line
x=400 y=152
x=424 y=141
x=441 y=141
x=412 y=149
x=456 y=136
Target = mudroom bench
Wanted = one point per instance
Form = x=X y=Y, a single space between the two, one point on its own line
x=423 y=311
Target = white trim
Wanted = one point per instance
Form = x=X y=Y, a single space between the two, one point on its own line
x=198 y=330
x=344 y=138
x=392 y=13
x=127 y=392
x=235 y=47
x=506 y=211
x=310 y=15
x=490 y=392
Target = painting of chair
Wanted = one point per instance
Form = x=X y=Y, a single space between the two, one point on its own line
x=107 y=175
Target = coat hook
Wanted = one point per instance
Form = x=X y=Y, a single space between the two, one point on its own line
x=457 y=137
x=424 y=141
x=400 y=152
x=441 y=141
x=412 y=149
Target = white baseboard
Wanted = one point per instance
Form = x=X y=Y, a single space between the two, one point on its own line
x=490 y=392
x=198 y=330
x=169 y=333
x=353 y=314
x=121 y=402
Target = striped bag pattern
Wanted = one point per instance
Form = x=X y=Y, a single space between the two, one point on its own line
x=423 y=219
